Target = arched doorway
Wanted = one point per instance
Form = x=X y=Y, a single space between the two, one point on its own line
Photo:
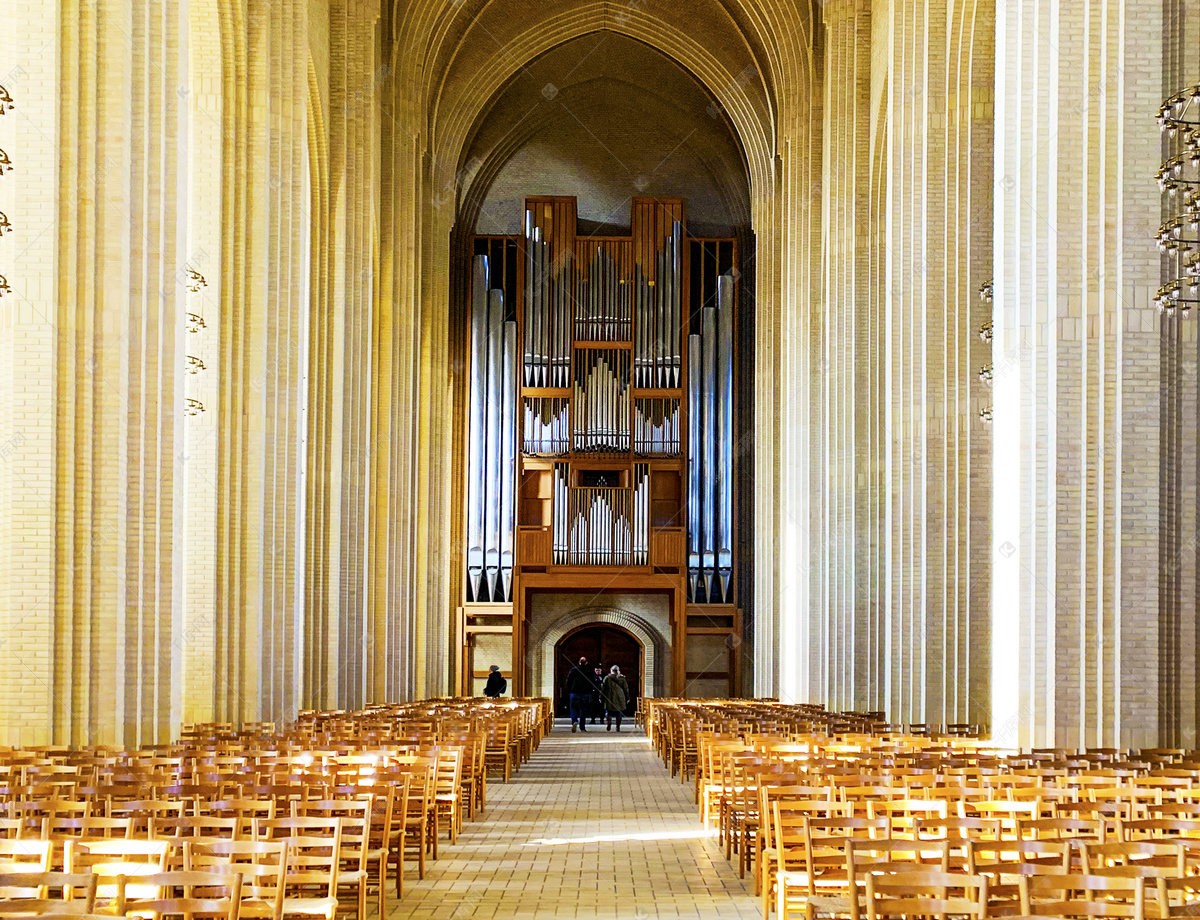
x=601 y=644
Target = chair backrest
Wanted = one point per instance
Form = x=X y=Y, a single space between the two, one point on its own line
x=187 y=894
x=246 y=810
x=925 y=893
x=1076 y=895
x=355 y=818
x=44 y=891
x=110 y=859
x=262 y=864
x=1150 y=857
x=314 y=849
x=25 y=854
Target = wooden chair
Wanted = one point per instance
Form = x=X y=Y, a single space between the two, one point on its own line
x=447 y=793
x=925 y=893
x=187 y=894
x=314 y=856
x=812 y=854
x=355 y=818
x=113 y=859
x=1083 y=896
x=1174 y=897
x=43 y=893
x=262 y=864
x=24 y=854
x=418 y=828
x=1148 y=858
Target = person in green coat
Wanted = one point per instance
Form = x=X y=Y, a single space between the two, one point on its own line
x=614 y=691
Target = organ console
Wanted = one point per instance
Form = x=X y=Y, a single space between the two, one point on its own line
x=601 y=414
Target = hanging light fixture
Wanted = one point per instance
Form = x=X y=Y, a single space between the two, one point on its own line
x=1178 y=235
x=5 y=163
x=195 y=322
x=985 y=332
x=193 y=407
x=985 y=415
x=6 y=101
x=5 y=224
x=4 y=288
x=195 y=365
x=195 y=280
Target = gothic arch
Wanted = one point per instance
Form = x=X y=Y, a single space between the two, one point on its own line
x=656 y=667
x=462 y=97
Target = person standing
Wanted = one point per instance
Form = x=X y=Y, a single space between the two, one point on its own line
x=580 y=688
x=615 y=692
x=496 y=684
x=597 y=700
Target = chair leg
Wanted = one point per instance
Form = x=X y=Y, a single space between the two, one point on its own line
x=383 y=883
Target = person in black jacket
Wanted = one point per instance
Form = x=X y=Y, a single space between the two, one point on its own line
x=580 y=688
x=496 y=684
x=597 y=703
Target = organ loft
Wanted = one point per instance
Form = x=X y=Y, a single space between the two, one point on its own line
x=602 y=430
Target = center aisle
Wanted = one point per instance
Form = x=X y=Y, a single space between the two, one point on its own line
x=592 y=826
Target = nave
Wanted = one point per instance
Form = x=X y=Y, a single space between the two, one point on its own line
x=592 y=826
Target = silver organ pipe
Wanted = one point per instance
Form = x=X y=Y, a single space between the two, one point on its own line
x=601 y=422
x=724 y=432
x=492 y=448
x=695 y=477
x=641 y=514
x=508 y=454
x=547 y=426
x=605 y=525
x=494 y=439
x=710 y=448
x=476 y=484
x=656 y=427
x=546 y=357
x=561 y=511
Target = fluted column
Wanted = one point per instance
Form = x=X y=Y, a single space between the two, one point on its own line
x=1077 y=437
x=848 y=630
x=29 y=62
x=1179 y=601
x=345 y=252
x=118 y=371
x=797 y=459
x=263 y=344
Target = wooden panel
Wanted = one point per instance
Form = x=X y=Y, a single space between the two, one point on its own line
x=534 y=547
x=667 y=547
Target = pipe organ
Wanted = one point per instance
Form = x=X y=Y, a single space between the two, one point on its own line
x=491 y=440
x=710 y=447
x=602 y=419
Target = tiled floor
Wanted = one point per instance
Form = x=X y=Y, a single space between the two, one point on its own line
x=592 y=827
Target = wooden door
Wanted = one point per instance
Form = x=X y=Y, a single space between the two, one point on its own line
x=604 y=645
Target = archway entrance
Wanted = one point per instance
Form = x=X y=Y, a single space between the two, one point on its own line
x=604 y=645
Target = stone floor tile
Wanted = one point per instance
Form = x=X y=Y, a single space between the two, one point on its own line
x=592 y=827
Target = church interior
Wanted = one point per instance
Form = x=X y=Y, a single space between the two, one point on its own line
x=816 y=382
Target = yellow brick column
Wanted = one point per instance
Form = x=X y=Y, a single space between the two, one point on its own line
x=29 y=61
x=264 y=305
x=937 y=71
x=1077 y=417
x=120 y=251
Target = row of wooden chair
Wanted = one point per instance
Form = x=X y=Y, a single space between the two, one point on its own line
x=350 y=797
x=795 y=800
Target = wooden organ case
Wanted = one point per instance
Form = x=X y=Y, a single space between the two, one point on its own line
x=599 y=444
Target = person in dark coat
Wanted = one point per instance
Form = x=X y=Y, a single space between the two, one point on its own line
x=615 y=691
x=496 y=684
x=580 y=688
x=597 y=701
